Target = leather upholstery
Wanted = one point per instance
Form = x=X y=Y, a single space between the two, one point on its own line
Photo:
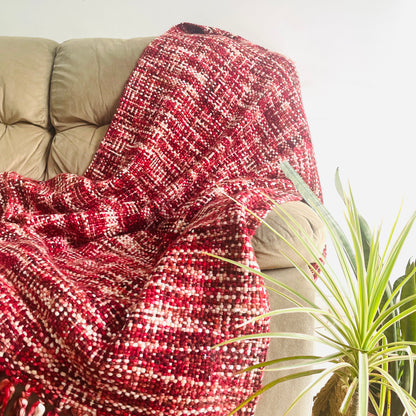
x=86 y=84
x=56 y=102
x=25 y=131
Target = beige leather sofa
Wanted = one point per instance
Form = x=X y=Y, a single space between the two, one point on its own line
x=56 y=102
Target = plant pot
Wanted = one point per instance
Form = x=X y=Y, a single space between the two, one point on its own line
x=329 y=399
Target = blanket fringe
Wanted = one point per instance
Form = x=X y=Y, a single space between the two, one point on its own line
x=6 y=392
x=18 y=401
x=21 y=403
x=37 y=409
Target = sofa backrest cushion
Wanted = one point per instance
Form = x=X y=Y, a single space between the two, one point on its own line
x=57 y=100
x=25 y=131
x=87 y=81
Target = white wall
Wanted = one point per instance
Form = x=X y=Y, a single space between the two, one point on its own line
x=356 y=60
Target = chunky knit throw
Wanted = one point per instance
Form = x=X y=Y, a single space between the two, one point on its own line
x=109 y=304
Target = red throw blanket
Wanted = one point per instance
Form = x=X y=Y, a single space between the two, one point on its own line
x=109 y=305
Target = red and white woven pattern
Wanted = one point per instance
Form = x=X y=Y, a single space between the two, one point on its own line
x=108 y=304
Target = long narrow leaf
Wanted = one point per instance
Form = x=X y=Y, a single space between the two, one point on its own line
x=331 y=370
x=316 y=204
x=348 y=396
x=366 y=234
x=408 y=402
x=390 y=322
x=284 y=335
x=334 y=325
x=304 y=239
x=284 y=311
x=327 y=274
x=306 y=360
x=395 y=251
x=286 y=287
x=274 y=383
x=408 y=324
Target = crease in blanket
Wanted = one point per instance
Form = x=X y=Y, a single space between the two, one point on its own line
x=108 y=304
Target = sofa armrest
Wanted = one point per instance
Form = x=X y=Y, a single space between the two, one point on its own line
x=271 y=250
x=276 y=401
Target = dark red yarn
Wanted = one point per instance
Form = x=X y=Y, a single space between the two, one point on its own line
x=109 y=305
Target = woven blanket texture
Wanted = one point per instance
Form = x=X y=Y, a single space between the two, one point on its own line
x=108 y=303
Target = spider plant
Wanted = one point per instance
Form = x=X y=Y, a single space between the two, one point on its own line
x=373 y=355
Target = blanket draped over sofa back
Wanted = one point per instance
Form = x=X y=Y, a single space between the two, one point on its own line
x=109 y=304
